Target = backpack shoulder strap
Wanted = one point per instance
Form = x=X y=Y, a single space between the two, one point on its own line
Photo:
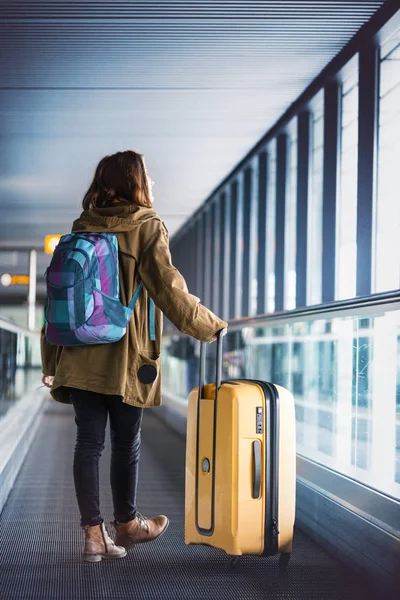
x=152 y=320
x=135 y=296
x=131 y=306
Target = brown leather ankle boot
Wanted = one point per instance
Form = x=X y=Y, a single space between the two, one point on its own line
x=99 y=545
x=139 y=530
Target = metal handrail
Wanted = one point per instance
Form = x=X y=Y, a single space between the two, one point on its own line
x=319 y=310
x=383 y=300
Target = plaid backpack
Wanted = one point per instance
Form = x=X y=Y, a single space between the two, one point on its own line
x=83 y=305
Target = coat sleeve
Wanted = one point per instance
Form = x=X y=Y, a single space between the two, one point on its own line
x=48 y=353
x=169 y=291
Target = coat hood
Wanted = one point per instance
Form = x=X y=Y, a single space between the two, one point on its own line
x=114 y=219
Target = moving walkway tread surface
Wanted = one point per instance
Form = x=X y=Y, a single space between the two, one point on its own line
x=41 y=541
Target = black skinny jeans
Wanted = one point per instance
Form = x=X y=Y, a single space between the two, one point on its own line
x=91 y=412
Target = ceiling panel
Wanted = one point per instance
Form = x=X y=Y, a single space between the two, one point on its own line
x=191 y=84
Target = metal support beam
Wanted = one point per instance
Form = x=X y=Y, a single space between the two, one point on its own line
x=246 y=242
x=205 y=257
x=281 y=184
x=262 y=232
x=11 y=248
x=331 y=144
x=303 y=170
x=199 y=256
x=367 y=140
x=32 y=290
x=214 y=245
x=233 y=248
x=222 y=254
x=188 y=253
x=192 y=257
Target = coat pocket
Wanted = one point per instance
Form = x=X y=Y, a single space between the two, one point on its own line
x=147 y=378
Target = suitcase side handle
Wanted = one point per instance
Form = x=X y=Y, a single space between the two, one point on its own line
x=256 y=468
x=218 y=374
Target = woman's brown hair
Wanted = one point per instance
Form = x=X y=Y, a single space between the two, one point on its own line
x=119 y=176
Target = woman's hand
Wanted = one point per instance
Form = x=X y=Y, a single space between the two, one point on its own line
x=47 y=380
x=222 y=333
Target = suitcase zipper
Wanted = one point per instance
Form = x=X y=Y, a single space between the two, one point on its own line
x=271 y=531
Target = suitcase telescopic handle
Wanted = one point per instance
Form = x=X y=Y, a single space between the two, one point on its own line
x=218 y=375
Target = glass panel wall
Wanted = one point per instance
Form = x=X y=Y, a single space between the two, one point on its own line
x=291 y=220
x=387 y=217
x=315 y=202
x=346 y=218
x=347 y=414
x=397 y=418
x=19 y=366
x=271 y=212
x=361 y=425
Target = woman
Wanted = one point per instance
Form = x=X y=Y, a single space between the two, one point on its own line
x=102 y=379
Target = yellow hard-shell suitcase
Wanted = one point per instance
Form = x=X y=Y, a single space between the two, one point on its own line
x=240 y=466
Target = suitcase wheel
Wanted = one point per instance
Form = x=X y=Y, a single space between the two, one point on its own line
x=283 y=562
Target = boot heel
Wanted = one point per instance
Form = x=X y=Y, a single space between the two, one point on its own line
x=99 y=545
x=92 y=558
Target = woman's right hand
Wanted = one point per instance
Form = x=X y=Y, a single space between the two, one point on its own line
x=47 y=380
x=223 y=333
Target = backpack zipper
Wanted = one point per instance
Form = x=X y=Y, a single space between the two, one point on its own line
x=71 y=286
x=111 y=248
x=112 y=253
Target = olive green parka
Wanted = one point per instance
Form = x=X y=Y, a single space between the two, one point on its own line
x=143 y=256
